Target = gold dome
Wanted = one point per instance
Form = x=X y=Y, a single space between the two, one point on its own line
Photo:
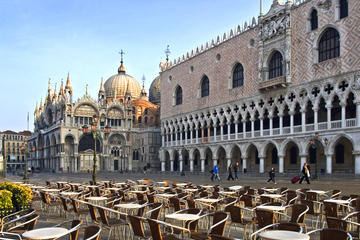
x=122 y=83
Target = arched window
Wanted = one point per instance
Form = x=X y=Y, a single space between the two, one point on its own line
x=238 y=76
x=344 y=9
x=178 y=96
x=329 y=45
x=293 y=155
x=139 y=119
x=205 y=86
x=314 y=19
x=274 y=156
x=275 y=65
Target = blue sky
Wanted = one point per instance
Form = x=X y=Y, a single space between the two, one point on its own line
x=42 y=39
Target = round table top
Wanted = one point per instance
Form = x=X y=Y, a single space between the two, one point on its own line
x=317 y=191
x=270 y=189
x=113 y=188
x=183 y=216
x=91 y=186
x=75 y=184
x=45 y=233
x=96 y=198
x=272 y=208
x=166 y=195
x=128 y=205
x=282 y=234
x=227 y=193
x=236 y=187
x=37 y=187
x=62 y=182
x=191 y=189
x=50 y=190
x=137 y=191
x=181 y=184
x=17 y=182
x=337 y=201
x=162 y=188
x=272 y=195
x=69 y=193
x=207 y=186
x=26 y=184
x=207 y=200
x=120 y=183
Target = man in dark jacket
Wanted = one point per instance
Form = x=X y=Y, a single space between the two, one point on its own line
x=272 y=175
x=305 y=173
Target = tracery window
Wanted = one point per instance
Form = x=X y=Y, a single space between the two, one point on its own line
x=314 y=19
x=205 y=86
x=238 y=76
x=275 y=65
x=344 y=9
x=178 y=96
x=329 y=45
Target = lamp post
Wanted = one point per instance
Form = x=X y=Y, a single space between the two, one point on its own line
x=96 y=135
x=314 y=143
x=25 y=151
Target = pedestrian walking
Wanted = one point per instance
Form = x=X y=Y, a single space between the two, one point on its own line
x=212 y=174
x=230 y=170
x=272 y=175
x=305 y=173
x=236 y=169
x=216 y=172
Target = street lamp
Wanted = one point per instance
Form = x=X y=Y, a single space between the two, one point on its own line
x=95 y=135
x=315 y=145
x=25 y=151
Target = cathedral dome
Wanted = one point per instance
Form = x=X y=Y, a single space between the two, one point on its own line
x=154 y=91
x=120 y=84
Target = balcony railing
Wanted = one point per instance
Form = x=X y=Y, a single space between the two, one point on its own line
x=266 y=132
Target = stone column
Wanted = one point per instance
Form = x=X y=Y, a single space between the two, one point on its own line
x=291 y=121
x=243 y=163
x=281 y=164
x=329 y=117
x=316 y=124
x=171 y=165
x=162 y=140
x=215 y=132
x=302 y=161
x=357 y=162
x=228 y=162
x=197 y=134
x=261 y=165
x=281 y=123
x=303 y=121
x=191 y=165
x=215 y=162
x=261 y=126
x=358 y=114
x=176 y=137
x=229 y=128
x=329 y=163
x=191 y=135
x=202 y=165
x=163 y=166
x=180 y=162
x=271 y=125
x=186 y=133
x=236 y=128
x=202 y=134
x=180 y=133
x=343 y=116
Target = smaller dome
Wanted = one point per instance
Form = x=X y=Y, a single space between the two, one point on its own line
x=154 y=91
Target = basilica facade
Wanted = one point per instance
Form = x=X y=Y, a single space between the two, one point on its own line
x=128 y=127
x=278 y=91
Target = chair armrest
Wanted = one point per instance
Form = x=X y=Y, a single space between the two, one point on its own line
x=217 y=224
x=10 y=234
x=350 y=215
x=60 y=224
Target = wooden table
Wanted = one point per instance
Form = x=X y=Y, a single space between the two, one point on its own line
x=45 y=233
x=227 y=193
x=338 y=201
x=50 y=190
x=166 y=195
x=69 y=194
x=320 y=192
x=128 y=205
x=283 y=235
x=181 y=184
x=270 y=190
x=97 y=200
x=272 y=208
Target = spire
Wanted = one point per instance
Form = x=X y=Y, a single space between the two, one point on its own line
x=62 y=93
x=143 y=91
x=167 y=53
x=121 y=69
x=87 y=90
x=68 y=87
x=36 y=112
x=102 y=89
x=41 y=108
x=55 y=94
